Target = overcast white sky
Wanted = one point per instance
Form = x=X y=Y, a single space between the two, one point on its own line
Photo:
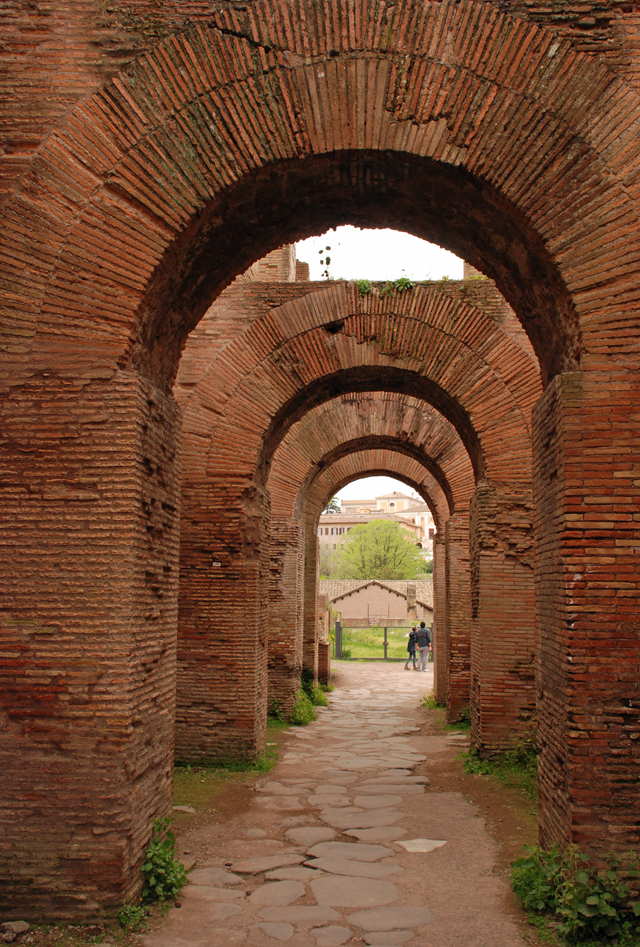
x=370 y=487
x=377 y=255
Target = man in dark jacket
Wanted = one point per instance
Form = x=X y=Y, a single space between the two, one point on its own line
x=423 y=641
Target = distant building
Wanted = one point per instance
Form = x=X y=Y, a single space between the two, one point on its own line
x=372 y=602
x=333 y=527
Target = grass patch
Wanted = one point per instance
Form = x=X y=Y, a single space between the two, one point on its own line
x=517 y=767
x=222 y=767
x=369 y=643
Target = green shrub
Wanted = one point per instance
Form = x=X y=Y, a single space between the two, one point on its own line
x=535 y=880
x=365 y=287
x=397 y=285
x=303 y=712
x=592 y=904
x=164 y=875
x=275 y=713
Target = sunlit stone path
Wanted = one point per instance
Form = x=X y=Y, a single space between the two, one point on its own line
x=346 y=843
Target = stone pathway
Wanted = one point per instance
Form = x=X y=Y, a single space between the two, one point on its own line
x=346 y=843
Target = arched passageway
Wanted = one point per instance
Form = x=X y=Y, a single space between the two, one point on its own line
x=463 y=125
x=426 y=344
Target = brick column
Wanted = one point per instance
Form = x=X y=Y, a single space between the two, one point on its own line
x=586 y=488
x=221 y=696
x=458 y=614
x=310 y=634
x=503 y=616
x=285 y=618
x=90 y=523
x=440 y=653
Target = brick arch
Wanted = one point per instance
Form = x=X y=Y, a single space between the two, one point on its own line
x=182 y=155
x=150 y=196
x=292 y=587
x=306 y=352
x=351 y=423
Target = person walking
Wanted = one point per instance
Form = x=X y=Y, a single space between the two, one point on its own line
x=411 y=648
x=423 y=641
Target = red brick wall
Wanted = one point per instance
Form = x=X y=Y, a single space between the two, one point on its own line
x=440 y=656
x=503 y=618
x=587 y=585
x=285 y=611
x=88 y=661
x=132 y=203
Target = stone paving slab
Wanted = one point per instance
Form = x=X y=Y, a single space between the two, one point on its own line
x=345 y=892
x=349 y=866
x=301 y=914
x=278 y=893
x=361 y=852
x=331 y=936
x=365 y=820
x=253 y=866
x=310 y=834
x=385 y=833
x=254 y=884
x=387 y=938
x=274 y=930
x=386 y=919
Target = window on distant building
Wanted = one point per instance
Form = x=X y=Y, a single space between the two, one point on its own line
x=432 y=533
x=391 y=504
x=326 y=531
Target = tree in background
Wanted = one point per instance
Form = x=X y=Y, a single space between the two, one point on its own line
x=333 y=506
x=378 y=550
x=327 y=563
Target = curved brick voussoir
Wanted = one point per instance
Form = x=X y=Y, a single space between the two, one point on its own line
x=354 y=422
x=472 y=128
x=422 y=343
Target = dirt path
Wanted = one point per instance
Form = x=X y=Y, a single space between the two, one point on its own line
x=319 y=858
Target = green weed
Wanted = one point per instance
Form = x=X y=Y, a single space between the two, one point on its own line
x=396 y=286
x=365 y=287
x=164 y=875
x=311 y=689
x=462 y=723
x=429 y=701
x=589 y=904
x=275 y=713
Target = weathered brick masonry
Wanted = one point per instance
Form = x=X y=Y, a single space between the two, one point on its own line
x=152 y=156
